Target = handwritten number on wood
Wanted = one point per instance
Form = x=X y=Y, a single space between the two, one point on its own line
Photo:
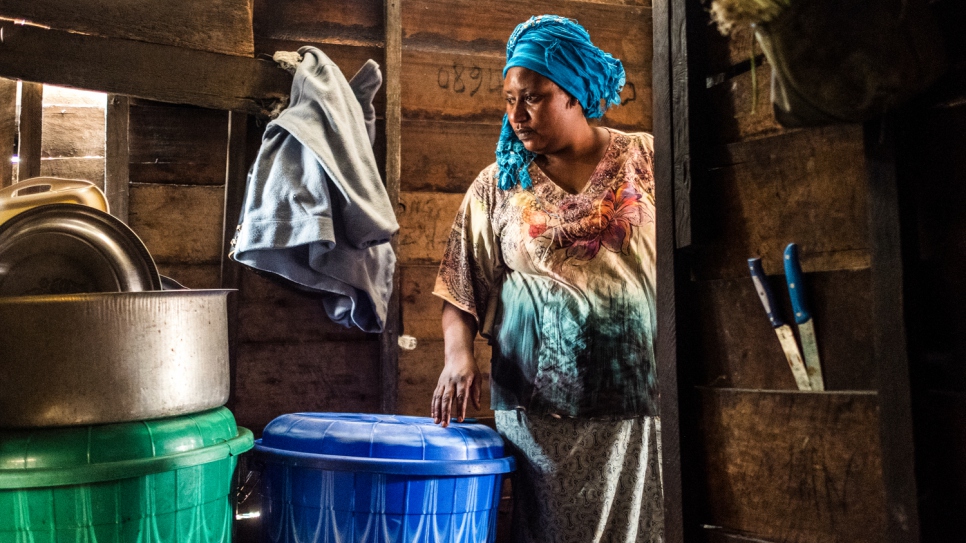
x=442 y=78
x=628 y=97
x=458 y=78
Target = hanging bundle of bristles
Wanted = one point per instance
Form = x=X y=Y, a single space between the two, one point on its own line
x=731 y=13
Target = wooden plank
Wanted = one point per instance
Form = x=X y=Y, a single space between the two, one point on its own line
x=687 y=63
x=739 y=111
x=178 y=224
x=347 y=22
x=73 y=132
x=484 y=26
x=452 y=86
x=679 y=457
x=221 y=26
x=457 y=86
x=439 y=156
x=88 y=169
x=64 y=96
x=278 y=378
x=425 y=222
x=791 y=466
x=389 y=338
x=198 y=276
x=82 y=61
x=31 y=129
x=738 y=347
x=805 y=186
x=715 y=534
x=117 y=155
x=888 y=243
x=419 y=372
x=422 y=311
x=178 y=144
x=8 y=129
x=272 y=311
x=235 y=173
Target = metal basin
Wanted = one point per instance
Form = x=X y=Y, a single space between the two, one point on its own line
x=111 y=357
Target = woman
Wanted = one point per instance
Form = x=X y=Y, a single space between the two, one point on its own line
x=552 y=259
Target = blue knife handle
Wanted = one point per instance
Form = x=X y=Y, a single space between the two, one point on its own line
x=796 y=284
x=764 y=292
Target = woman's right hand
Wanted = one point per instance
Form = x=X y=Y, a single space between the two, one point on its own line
x=459 y=382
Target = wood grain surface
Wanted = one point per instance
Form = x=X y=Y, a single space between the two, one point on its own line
x=88 y=169
x=425 y=221
x=347 y=22
x=275 y=311
x=181 y=224
x=117 y=155
x=422 y=311
x=806 y=186
x=73 y=132
x=30 y=138
x=85 y=61
x=221 y=26
x=278 y=378
x=739 y=349
x=741 y=107
x=791 y=466
x=177 y=144
x=8 y=129
x=445 y=157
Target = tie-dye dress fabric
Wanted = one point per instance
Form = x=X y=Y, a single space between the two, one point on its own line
x=563 y=286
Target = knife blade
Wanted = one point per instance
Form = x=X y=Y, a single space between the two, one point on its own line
x=785 y=335
x=803 y=318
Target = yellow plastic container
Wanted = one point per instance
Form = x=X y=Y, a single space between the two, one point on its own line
x=39 y=191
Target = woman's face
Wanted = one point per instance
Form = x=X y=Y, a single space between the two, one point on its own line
x=541 y=114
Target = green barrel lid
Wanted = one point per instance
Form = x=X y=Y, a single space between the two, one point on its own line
x=32 y=458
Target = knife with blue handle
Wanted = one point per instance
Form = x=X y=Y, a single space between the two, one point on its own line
x=785 y=335
x=803 y=318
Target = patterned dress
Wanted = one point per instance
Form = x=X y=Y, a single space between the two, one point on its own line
x=563 y=286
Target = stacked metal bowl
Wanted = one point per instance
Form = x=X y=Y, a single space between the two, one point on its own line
x=112 y=387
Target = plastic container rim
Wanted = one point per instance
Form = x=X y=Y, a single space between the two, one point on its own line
x=17 y=479
x=388 y=466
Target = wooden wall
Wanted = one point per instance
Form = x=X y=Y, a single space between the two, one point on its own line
x=765 y=462
x=64 y=131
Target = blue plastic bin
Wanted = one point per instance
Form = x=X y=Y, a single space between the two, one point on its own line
x=379 y=478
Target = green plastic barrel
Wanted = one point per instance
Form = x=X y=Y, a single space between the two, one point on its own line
x=165 y=480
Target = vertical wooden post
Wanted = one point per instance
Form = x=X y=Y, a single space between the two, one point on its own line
x=389 y=349
x=676 y=66
x=889 y=334
x=8 y=129
x=236 y=173
x=117 y=169
x=31 y=129
x=666 y=345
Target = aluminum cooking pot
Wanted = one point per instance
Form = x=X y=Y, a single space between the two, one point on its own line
x=111 y=357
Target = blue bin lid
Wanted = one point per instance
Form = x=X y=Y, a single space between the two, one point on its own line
x=391 y=444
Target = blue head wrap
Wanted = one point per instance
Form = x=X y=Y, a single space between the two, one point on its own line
x=560 y=50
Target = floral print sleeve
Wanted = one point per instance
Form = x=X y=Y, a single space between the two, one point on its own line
x=471 y=268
